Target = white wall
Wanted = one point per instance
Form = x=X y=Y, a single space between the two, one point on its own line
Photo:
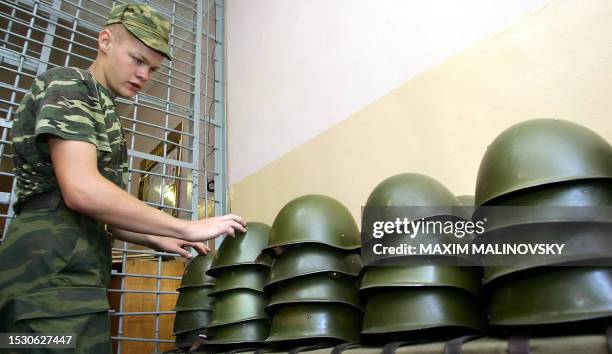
x=297 y=67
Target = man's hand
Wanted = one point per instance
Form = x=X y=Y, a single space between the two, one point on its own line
x=175 y=245
x=205 y=229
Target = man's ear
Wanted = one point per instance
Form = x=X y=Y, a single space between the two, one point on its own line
x=105 y=38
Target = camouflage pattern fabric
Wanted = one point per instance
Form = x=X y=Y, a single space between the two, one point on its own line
x=144 y=23
x=55 y=263
x=54 y=269
x=70 y=104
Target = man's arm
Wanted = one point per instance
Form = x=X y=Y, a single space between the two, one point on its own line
x=86 y=191
x=158 y=243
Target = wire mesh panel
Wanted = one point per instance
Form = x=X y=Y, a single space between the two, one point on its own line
x=174 y=129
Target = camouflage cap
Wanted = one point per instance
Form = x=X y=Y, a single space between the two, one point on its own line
x=144 y=23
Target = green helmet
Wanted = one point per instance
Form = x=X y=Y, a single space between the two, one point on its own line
x=187 y=321
x=195 y=299
x=186 y=339
x=318 y=322
x=554 y=296
x=539 y=152
x=422 y=310
x=254 y=331
x=311 y=258
x=237 y=306
x=242 y=249
x=315 y=219
x=407 y=196
x=541 y=204
x=241 y=277
x=411 y=189
x=316 y=288
x=584 y=243
x=376 y=279
x=195 y=272
x=432 y=239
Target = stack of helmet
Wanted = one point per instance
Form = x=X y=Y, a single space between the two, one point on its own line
x=239 y=318
x=313 y=279
x=417 y=297
x=194 y=306
x=547 y=181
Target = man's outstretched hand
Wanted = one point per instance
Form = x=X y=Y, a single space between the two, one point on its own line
x=175 y=245
x=209 y=228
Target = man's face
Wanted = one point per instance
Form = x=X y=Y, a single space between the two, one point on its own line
x=130 y=65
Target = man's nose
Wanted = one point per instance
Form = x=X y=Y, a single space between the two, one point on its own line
x=143 y=73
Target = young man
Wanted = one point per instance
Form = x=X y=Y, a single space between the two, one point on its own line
x=70 y=159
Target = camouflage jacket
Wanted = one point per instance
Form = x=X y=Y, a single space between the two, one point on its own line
x=70 y=104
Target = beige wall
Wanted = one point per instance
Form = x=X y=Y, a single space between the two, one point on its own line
x=297 y=67
x=555 y=63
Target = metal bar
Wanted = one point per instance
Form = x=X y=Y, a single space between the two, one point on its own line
x=157 y=303
x=56 y=48
x=159 y=159
x=13 y=58
x=154 y=101
x=48 y=41
x=155 y=126
x=51 y=11
x=143 y=313
x=153 y=137
x=206 y=111
x=123 y=274
x=143 y=291
x=125 y=244
x=155 y=205
x=75 y=23
x=141 y=339
x=178 y=178
x=147 y=252
x=195 y=174
x=220 y=132
x=5 y=198
x=11 y=199
x=6 y=123
x=53 y=19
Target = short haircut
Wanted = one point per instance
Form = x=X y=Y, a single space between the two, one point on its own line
x=118 y=31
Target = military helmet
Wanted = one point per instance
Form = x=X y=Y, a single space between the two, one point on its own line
x=549 y=203
x=413 y=311
x=186 y=339
x=411 y=189
x=318 y=322
x=309 y=258
x=244 y=248
x=186 y=321
x=315 y=219
x=316 y=288
x=587 y=192
x=253 y=331
x=407 y=196
x=376 y=279
x=237 y=306
x=560 y=295
x=585 y=243
x=195 y=271
x=372 y=250
x=539 y=152
x=247 y=276
x=195 y=298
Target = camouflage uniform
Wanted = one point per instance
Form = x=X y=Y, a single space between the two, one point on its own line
x=55 y=263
